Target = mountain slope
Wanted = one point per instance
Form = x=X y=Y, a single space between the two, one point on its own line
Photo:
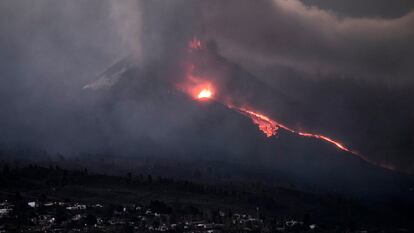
x=148 y=115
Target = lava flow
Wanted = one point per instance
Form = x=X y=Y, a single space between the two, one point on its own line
x=269 y=127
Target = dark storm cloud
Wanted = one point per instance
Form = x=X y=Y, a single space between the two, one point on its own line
x=312 y=40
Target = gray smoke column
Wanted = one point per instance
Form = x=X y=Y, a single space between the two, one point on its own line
x=128 y=21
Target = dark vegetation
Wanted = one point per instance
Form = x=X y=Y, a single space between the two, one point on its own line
x=193 y=198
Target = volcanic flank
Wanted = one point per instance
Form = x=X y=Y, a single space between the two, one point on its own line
x=208 y=122
x=200 y=86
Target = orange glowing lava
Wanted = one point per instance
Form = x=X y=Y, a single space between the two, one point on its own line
x=205 y=94
x=337 y=144
x=269 y=127
x=195 y=44
x=195 y=85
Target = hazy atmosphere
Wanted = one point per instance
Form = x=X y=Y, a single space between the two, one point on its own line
x=206 y=116
x=343 y=69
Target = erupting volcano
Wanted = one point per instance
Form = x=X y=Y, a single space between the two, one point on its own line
x=201 y=88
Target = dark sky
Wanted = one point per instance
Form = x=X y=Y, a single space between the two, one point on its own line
x=348 y=64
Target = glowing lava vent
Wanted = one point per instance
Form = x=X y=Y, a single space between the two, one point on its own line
x=205 y=94
x=195 y=44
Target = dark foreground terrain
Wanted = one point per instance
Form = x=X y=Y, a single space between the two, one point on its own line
x=37 y=198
